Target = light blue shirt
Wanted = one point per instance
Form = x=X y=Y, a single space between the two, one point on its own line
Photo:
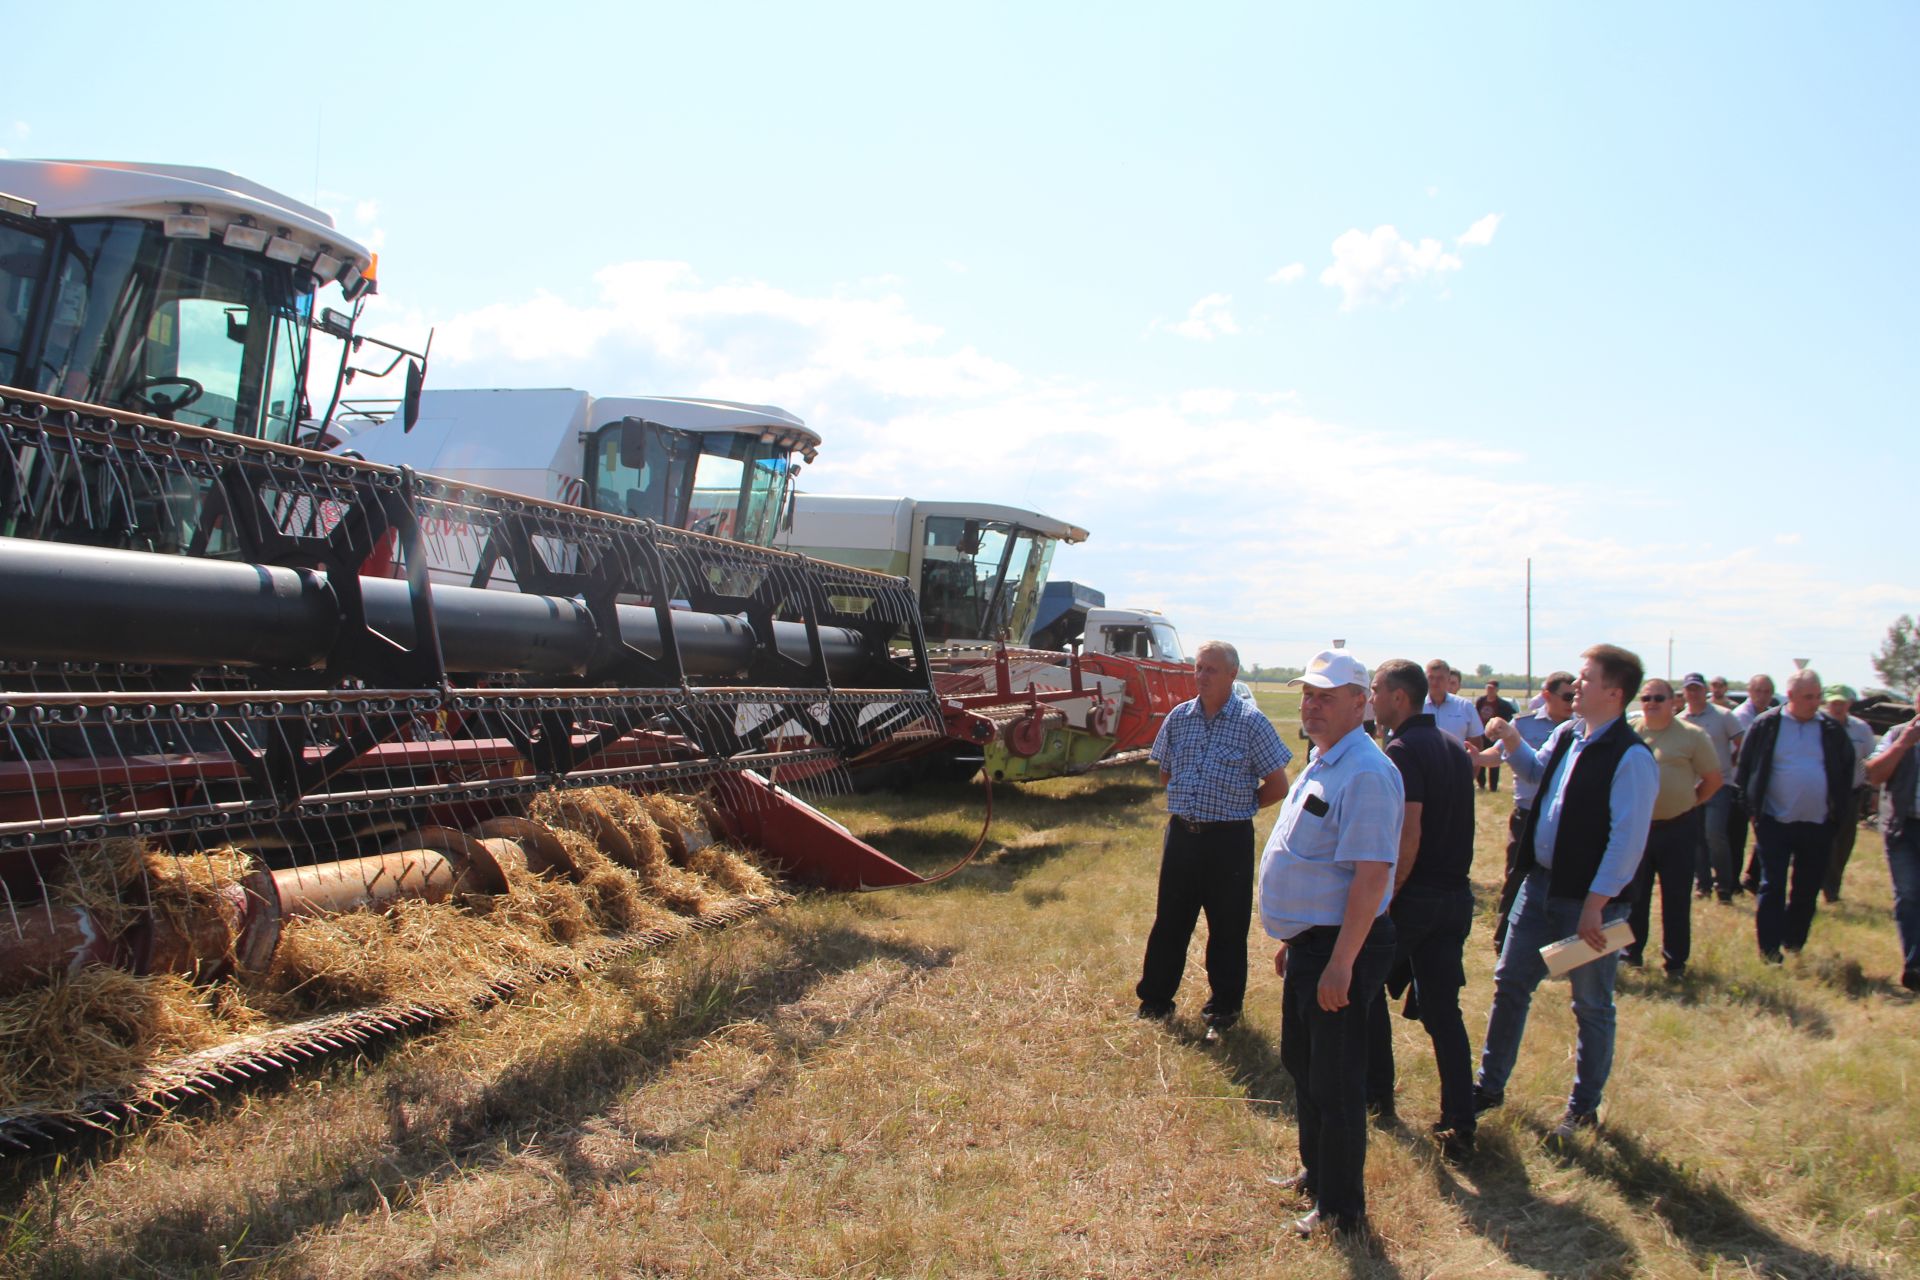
x=1797 y=784
x=1455 y=716
x=1534 y=731
x=1636 y=785
x=1863 y=743
x=1216 y=762
x=1308 y=866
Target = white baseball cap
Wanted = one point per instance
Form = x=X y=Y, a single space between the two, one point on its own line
x=1332 y=669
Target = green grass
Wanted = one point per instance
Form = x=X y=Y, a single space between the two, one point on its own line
x=949 y=1082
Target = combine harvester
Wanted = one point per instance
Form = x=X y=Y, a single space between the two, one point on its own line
x=1013 y=711
x=214 y=678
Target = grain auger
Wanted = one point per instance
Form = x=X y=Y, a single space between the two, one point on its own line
x=213 y=642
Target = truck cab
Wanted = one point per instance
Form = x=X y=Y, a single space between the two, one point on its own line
x=978 y=567
x=713 y=466
x=1133 y=633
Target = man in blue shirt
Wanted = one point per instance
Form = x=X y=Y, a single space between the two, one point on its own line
x=1221 y=762
x=1579 y=849
x=1796 y=773
x=1325 y=883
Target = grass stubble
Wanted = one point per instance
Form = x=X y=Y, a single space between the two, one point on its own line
x=949 y=1082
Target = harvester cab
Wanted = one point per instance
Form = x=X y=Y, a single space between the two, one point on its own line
x=978 y=567
x=185 y=294
x=710 y=466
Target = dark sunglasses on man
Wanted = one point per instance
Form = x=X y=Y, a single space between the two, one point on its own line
x=1653 y=697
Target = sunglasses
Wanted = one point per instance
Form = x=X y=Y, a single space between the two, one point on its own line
x=1563 y=693
x=1653 y=697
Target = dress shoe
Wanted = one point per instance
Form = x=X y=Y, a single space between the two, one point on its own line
x=1910 y=979
x=1570 y=1124
x=1152 y=1012
x=1486 y=1099
x=1456 y=1144
x=1317 y=1223
x=1296 y=1182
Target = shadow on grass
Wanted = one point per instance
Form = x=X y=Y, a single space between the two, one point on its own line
x=1709 y=1223
x=1559 y=1240
x=467 y=1133
x=1702 y=986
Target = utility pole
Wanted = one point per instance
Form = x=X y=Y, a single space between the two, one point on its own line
x=1529 y=628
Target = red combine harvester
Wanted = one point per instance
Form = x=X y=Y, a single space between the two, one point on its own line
x=202 y=648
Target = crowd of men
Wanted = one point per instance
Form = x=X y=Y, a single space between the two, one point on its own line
x=1364 y=882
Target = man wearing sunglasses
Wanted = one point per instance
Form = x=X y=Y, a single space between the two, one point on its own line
x=1714 y=869
x=1689 y=777
x=1556 y=706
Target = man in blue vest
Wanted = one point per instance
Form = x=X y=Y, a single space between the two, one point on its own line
x=1578 y=853
x=1895 y=769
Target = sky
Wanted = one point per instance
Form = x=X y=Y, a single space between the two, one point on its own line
x=1325 y=320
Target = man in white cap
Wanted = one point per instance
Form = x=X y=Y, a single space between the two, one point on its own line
x=1326 y=879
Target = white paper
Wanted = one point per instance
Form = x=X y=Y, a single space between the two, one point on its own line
x=1570 y=953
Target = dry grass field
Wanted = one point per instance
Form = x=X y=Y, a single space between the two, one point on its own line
x=950 y=1082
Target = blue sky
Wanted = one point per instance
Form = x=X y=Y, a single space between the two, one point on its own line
x=1321 y=320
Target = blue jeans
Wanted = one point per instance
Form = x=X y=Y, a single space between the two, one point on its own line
x=1716 y=872
x=1903 y=860
x=1536 y=920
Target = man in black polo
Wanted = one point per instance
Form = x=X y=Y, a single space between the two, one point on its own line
x=1221 y=762
x=1432 y=906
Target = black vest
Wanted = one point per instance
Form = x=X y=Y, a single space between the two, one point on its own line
x=1896 y=797
x=1586 y=810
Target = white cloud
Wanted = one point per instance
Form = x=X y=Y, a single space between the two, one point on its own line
x=1481 y=232
x=1288 y=274
x=1206 y=320
x=1377 y=266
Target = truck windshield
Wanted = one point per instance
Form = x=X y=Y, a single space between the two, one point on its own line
x=1166 y=643
x=189 y=330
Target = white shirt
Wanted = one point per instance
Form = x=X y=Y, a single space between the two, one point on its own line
x=1455 y=716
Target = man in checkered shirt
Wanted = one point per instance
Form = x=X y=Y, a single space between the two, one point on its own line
x=1221 y=762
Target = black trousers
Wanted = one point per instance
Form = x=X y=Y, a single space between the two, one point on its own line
x=1793 y=865
x=1326 y=1054
x=1843 y=837
x=1209 y=870
x=1431 y=928
x=1670 y=860
x=1487 y=778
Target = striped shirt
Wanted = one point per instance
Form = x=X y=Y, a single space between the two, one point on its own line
x=1216 y=763
x=1345 y=808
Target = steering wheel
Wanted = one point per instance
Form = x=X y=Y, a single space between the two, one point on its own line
x=141 y=390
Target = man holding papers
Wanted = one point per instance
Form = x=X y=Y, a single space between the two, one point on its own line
x=1575 y=866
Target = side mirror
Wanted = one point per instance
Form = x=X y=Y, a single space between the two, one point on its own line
x=969 y=544
x=410 y=405
x=633 y=444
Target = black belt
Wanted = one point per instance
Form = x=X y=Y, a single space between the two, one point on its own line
x=1194 y=826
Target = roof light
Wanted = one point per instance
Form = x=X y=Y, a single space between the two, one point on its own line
x=326 y=266
x=810 y=455
x=767 y=437
x=242 y=234
x=188 y=225
x=283 y=249
x=16 y=206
